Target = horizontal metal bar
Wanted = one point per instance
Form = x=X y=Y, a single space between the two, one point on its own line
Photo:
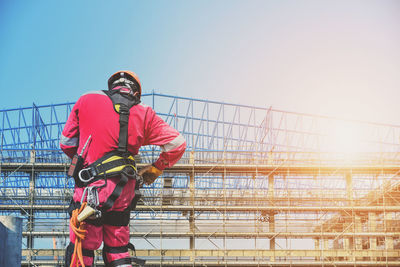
x=241 y=257
x=239 y=253
x=225 y=208
x=228 y=263
x=201 y=196
x=228 y=168
x=315 y=235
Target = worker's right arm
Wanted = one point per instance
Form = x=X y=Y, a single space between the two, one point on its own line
x=172 y=144
x=69 y=140
x=160 y=133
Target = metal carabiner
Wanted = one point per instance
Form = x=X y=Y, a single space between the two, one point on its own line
x=83 y=194
x=92 y=196
x=91 y=210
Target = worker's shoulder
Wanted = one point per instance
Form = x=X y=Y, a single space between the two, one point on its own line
x=144 y=106
x=143 y=109
x=92 y=96
x=99 y=92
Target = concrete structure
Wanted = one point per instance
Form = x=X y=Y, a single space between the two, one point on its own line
x=10 y=241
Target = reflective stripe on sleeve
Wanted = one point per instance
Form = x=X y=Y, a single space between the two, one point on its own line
x=66 y=141
x=179 y=140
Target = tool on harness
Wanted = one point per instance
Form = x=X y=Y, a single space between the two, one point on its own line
x=77 y=161
x=111 y=165
x=91 y=210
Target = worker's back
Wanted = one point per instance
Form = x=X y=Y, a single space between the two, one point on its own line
x=94 y=114
x=99 y=124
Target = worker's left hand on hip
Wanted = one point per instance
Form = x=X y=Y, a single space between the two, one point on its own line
x=149 y=174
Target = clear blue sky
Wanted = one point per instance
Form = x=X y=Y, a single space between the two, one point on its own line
x=338 y=58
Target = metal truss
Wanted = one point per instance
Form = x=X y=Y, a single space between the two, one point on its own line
x=256 y=187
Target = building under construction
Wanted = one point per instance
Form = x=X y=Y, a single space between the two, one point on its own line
x=255 y=187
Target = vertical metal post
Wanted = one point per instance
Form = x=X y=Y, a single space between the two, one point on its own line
x=389 y=242
x=347 y=246
x=271 y=224
x=224 y=221
x=335 y=247
x=348 y=243
x=317 y=247
x=388 y=227
x=191 y=216
x=372 y=229
x=326 y=243
x=325 y=247
x=30 y=224
x=358 y=240
x=10 y=241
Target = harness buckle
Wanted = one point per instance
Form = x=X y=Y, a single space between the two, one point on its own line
x=87 y=173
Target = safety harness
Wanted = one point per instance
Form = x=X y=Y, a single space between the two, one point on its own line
x=118 y=163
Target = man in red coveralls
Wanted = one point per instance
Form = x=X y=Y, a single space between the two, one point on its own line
x=94 y=118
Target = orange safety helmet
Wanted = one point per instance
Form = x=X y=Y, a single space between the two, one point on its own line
x=127 y=74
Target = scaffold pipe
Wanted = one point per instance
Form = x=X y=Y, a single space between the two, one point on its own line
x=224 y=208
x=233 y=234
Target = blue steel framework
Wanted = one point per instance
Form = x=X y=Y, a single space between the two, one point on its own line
x=217 y=133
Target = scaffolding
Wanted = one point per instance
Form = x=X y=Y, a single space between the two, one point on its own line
x=256 y=187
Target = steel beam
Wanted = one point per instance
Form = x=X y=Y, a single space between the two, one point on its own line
x=221 y=208
x=232 y=234
x=225 y=263
x=240 y=257
x=239 y=253
x=227 y=168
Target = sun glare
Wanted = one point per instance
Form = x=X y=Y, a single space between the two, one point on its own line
x=345 y=138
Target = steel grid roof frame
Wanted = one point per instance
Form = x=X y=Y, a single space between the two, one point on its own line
x=225 y=141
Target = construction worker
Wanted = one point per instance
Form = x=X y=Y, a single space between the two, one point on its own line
x=105 y=129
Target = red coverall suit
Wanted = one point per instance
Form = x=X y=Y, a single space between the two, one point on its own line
x=93 y=114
